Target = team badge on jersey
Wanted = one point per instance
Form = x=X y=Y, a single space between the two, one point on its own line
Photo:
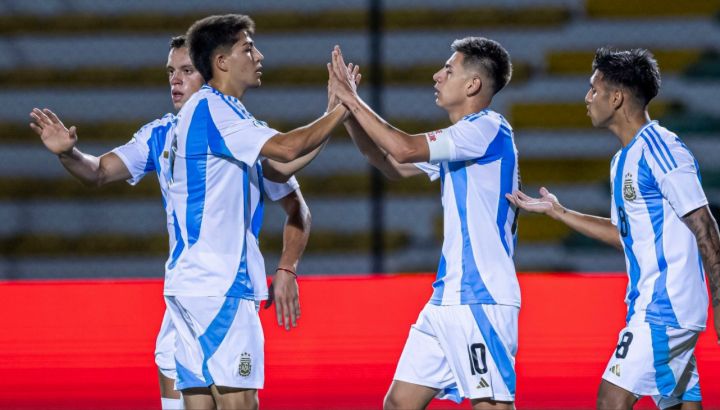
x=245 y=364
x=628 y=189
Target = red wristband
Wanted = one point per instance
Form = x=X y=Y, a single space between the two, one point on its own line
x=287 y=270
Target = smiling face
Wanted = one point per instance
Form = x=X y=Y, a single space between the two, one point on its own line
x=184 y=79
x=599 y=101
x=451 y=82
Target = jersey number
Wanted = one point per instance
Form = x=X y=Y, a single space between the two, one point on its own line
x=624 y=345
x=476 y=352
x=623 y=222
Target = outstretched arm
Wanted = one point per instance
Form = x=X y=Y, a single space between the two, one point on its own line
x=378 y=158
x=705 y=228
x=592 y=226
x=89 y=169
x=403 y=147
x=289 y=146
x=284 y=288
x=281 y=172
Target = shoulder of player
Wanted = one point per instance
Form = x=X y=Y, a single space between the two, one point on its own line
x=227 y=106
x=658 y=139
x=663 y=148
x=146 y=130
x=482 y=122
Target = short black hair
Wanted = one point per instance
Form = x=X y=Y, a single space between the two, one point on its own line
x=178 y=42
x=486 y=54
x=206 y=36
x=636 y=69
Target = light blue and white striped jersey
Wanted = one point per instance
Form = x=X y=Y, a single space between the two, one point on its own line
x=192 y=218
x=476 y=161
x=142 y=155
x=655 y=182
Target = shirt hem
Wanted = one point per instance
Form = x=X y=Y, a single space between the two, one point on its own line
x=437 y=302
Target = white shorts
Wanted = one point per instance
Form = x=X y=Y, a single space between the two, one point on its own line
x=165 y=347
x=219 y=341
x=465 y=351
x=657 y=361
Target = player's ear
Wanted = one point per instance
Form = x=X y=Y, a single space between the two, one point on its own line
x=617 y=98
x=220 y=62
x=473 y=86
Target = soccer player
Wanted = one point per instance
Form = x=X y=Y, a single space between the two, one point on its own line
x=465 y=339
x=213 y=171
x=660 y=217
x=141 y=155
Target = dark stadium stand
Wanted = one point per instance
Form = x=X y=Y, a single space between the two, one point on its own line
x=100 y=65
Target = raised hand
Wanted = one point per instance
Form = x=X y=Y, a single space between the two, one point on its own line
x=342 y=81
x=56 y=137
x=354 y=70
x=547 y=204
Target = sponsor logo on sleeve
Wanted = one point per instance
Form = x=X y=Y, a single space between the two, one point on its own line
x=432 y=135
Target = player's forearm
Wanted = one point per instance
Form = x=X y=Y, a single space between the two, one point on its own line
x=295 y=237
x=303 y=140
x=595 y=227
x=281 y=172
x=705 y=228
x=388 y=138
x=374 y=155
x=84 y=167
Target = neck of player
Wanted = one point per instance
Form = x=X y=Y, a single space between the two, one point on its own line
x=225 y=86
x=468 y=107
x=626 y=124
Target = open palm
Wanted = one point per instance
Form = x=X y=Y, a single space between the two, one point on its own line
x=56 y=137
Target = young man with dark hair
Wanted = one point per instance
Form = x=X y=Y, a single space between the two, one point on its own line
x=142 y=155
x=464 y=342
x=660 y=217
x=214 y=176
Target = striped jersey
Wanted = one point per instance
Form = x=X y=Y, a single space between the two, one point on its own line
x=158 y=144
x=476 y=162
x=655 y=182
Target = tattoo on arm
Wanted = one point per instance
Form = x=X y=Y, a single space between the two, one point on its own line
x=705 y=228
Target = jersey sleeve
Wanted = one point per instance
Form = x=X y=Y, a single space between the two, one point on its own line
x=676 y=172
x=464 y=140
x=239 y=135
x=432 y=170
x=136 y=154
x=278 y=190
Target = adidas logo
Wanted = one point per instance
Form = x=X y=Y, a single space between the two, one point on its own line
x=483 y=384
x=615 y=370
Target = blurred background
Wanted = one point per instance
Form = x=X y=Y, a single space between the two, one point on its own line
x=100 y=66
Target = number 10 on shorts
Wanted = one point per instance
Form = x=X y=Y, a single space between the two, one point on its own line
x=476 y=353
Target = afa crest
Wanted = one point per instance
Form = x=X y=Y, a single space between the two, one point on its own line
x=245 y=367
x=628 y=188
